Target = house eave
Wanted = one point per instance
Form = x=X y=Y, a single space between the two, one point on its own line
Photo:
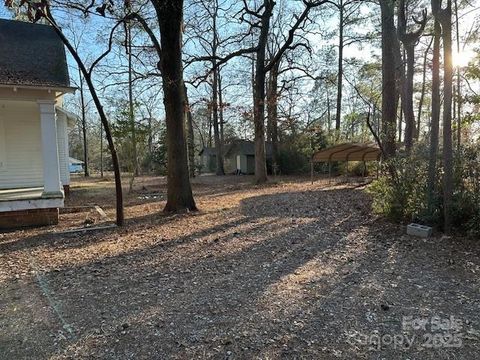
x=60 y=89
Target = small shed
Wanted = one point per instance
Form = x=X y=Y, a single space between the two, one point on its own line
x=238 y=156
x=75 y=165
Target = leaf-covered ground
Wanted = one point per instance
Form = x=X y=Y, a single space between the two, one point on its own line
x=285 y=271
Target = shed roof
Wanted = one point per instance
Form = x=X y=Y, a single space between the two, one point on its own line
x=243 y=147
x=207 y=151
x=246 y=147
x=31 y=55
x=74 y=161
x=349 y=152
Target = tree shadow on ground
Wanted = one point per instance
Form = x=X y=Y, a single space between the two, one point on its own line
x=289 y=277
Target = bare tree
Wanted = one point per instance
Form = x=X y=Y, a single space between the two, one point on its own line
x=435 y=117
x=170 y=19
x=444 y=17
x=169 y=15
x=261 y=70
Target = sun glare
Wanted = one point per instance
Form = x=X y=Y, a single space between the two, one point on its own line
x=463 y=58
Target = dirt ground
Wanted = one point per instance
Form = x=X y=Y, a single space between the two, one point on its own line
x=289 y=270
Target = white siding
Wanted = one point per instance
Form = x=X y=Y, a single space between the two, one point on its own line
x=62 y=141
x=22 y=142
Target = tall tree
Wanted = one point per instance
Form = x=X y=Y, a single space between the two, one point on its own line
x=131 y=106
x=389 y=93
x=444 y=16
x=84 y=127
x=435 y=117
x=170 y=19
x=272 y=114
x=215 y=106
x=409 y=41
x=169 y=15
x=190 y=138
x=262 y=68
x=349 y=15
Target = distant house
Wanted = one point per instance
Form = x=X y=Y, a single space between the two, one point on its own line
x=76 y=166
x=239 y=157
x=34 y=162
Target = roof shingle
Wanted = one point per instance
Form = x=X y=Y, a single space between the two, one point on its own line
x=31 y=55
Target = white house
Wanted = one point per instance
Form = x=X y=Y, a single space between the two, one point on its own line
x=34 y=154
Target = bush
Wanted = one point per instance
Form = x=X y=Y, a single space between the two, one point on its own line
x=292 y=161
x=404 y=197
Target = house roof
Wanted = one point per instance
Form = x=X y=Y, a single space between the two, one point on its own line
x=31 y=55
x=348 y=152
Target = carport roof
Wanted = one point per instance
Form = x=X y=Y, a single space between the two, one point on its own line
x=348 y=152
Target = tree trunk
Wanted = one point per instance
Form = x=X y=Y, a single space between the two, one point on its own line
x=272 y=109
x=422 y=93
x=435 y=121
x=400 y=123
x=407 y=98
x=150 y=140
x=216 y=128
x=338 y=115
x=447 y=117
x=409 y=40
x=101 y=150
x=120 y=220
x=389 y=93
x=84 y=127
x=190 y=137
x=131 y=113
x=329 y=114
x=459 y=84
x=179 y=191
x=259 y=97
x=221 y=108
x=210 y=125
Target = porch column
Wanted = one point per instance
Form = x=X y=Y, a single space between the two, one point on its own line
x=51 y=164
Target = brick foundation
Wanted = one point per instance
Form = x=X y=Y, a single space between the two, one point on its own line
x=25 y=218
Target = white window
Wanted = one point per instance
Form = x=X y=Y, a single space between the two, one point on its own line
x=3 y=146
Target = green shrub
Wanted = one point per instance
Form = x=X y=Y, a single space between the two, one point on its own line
x=292 y=161
x=404 y=197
